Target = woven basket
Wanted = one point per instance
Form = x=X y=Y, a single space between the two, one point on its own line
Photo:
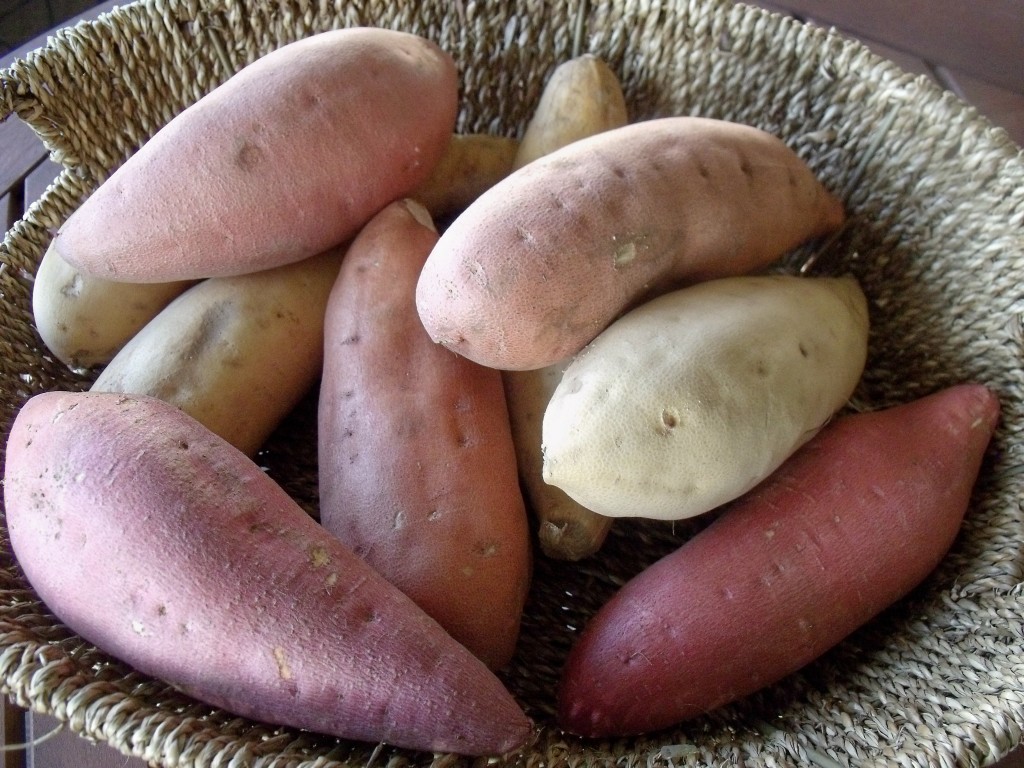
x=936 y=197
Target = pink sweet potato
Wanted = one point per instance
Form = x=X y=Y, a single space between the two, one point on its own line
x=287 y=158
x=545 y=259
x=848 y=526
x=417 y=465
x=168 y=548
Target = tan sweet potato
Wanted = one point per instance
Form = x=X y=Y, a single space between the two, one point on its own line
x=583 y=97
x=287 y=158
x=417 y=467
x=546 y=258
x=171 y=550
x=84 y=321
x=235 y=353
x=472 y=164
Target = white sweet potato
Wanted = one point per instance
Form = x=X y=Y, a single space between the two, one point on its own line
x=691 y=399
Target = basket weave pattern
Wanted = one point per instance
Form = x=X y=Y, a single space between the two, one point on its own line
x=936 y=197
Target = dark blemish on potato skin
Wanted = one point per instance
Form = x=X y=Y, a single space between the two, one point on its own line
x=486 y=549
x=248 y=156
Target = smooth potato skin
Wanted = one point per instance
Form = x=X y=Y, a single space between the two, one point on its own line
x=236 y=353
x=85 y=321
x=287 y=158
x=853 y=522
x=417 y=468
x=546 y=258
x=171 y=550
x=688 y=401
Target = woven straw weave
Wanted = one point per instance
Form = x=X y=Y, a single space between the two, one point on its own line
x=936 y=197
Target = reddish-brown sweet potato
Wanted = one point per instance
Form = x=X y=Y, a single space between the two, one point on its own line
x=287 y=158
x=849 y=525
x=417 y=467
x=168 y=548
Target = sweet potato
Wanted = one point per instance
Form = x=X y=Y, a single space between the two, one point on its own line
x=287 y=158
x=851 y=524
x=472 y=164
x=168 y=548
x=84 y=321
x=582 y=97
x=691 y=399
x=546 y=258
x=417 y=468
x=236 y=353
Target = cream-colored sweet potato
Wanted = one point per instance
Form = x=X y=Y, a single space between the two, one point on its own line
x=546 y=258
x=417 y=467
x=235 y=353
x=171 y=550
x=287 y=158
x=691 y=399
x=84 y=321
x=583 y=97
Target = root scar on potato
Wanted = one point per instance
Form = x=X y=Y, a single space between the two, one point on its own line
x=283 y=670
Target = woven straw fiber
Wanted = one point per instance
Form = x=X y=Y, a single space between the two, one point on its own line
x=936 y=197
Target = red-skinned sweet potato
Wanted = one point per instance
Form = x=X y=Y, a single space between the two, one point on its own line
x=849 y=525
x=168 y=548
x=417 y=466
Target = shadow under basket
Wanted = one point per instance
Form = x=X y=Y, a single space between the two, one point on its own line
x=935 y=196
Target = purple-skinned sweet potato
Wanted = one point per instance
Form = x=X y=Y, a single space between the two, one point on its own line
x=168 y=548
x=849 y=525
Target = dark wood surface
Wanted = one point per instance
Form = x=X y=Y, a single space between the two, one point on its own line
x=973 y=49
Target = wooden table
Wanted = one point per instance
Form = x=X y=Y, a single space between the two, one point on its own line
x=972 y=49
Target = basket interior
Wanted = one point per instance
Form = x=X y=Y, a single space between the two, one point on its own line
x=935 y=196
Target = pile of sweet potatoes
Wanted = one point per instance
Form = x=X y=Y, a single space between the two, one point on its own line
x=593 y=335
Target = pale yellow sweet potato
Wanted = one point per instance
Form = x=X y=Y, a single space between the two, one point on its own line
x=472 y=164
x=235 y=353
x=84 y=321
